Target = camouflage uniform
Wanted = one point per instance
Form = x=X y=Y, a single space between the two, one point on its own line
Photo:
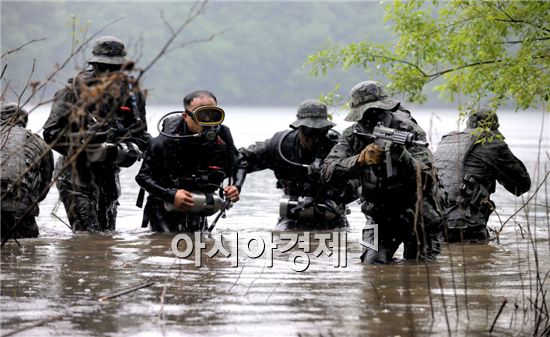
x=98 y=124
x=406 y=206
x=307 y=202
x=27 y=165
x=469 y=172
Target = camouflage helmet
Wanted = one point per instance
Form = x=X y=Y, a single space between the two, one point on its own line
x=11 y=113
x=108 y=50
x=313 y=114
x=483 y=113
x=368 y=95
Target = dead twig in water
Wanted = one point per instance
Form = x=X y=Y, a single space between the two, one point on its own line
x=237 y=280
x=499 y=312
x=377 y=294
x=465 y=281
x=256 y=279
x=161 y=311
x=125 y=291
x=54 y=213
x=429 y=288
x=444 y=307
x=454 y=283
x=34 y=325
x=273 y=291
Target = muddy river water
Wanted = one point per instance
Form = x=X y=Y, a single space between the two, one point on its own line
x=60 y=283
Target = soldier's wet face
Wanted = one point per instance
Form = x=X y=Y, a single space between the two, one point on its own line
x=313 y=132
x=309 y=137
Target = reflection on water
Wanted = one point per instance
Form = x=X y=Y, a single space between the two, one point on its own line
x=61 y=275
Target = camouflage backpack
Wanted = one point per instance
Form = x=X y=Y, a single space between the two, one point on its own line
x=15 y=160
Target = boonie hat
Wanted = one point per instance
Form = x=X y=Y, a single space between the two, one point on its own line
x=108 y=50
x=483 y=113
x=10 y=113
x=368 y=95
x=313 y=114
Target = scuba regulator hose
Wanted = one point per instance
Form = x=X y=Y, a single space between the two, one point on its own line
x=333 y=208
x=210 y=134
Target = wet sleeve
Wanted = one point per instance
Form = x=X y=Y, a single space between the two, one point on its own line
x=239 y=164
x=45 y=167
x=258 y=156
x=341 y=162
x=148 y=172
x=47 y=171
x=57 y=129
x=510 y=171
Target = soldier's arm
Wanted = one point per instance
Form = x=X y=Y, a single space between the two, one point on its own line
x=57 y=128
x=341 y=162
x=239 y=164
x=46 y=171
x=510 y=171
x=259 y=156
x=43 y=164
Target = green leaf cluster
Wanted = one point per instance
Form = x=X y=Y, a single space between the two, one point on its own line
x=497 y=52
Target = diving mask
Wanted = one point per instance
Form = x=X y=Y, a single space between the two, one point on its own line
x=208 y=115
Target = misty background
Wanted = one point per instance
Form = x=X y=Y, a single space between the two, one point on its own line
x=256 y=57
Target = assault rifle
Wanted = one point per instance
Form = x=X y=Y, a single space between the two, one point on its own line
x=387 y=137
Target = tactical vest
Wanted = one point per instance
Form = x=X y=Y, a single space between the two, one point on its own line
x=468 y=203
x=449 y=160
x=15 y=159
x=293 y=176
x=377 y=189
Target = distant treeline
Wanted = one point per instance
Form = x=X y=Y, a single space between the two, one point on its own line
x=257 y=60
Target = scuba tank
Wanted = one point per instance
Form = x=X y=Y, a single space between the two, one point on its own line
x=305 y=208
x=205 y=204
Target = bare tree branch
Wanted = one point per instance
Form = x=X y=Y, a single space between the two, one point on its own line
x=525 y=203
x=11 y=51
x=196 y=41
x=166 y=23
x=194 y=12
x=28 y=82
x=6 y=87
x=67 y=60
x=3 y=71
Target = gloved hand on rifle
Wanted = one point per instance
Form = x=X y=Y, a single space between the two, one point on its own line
x=372 y=154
